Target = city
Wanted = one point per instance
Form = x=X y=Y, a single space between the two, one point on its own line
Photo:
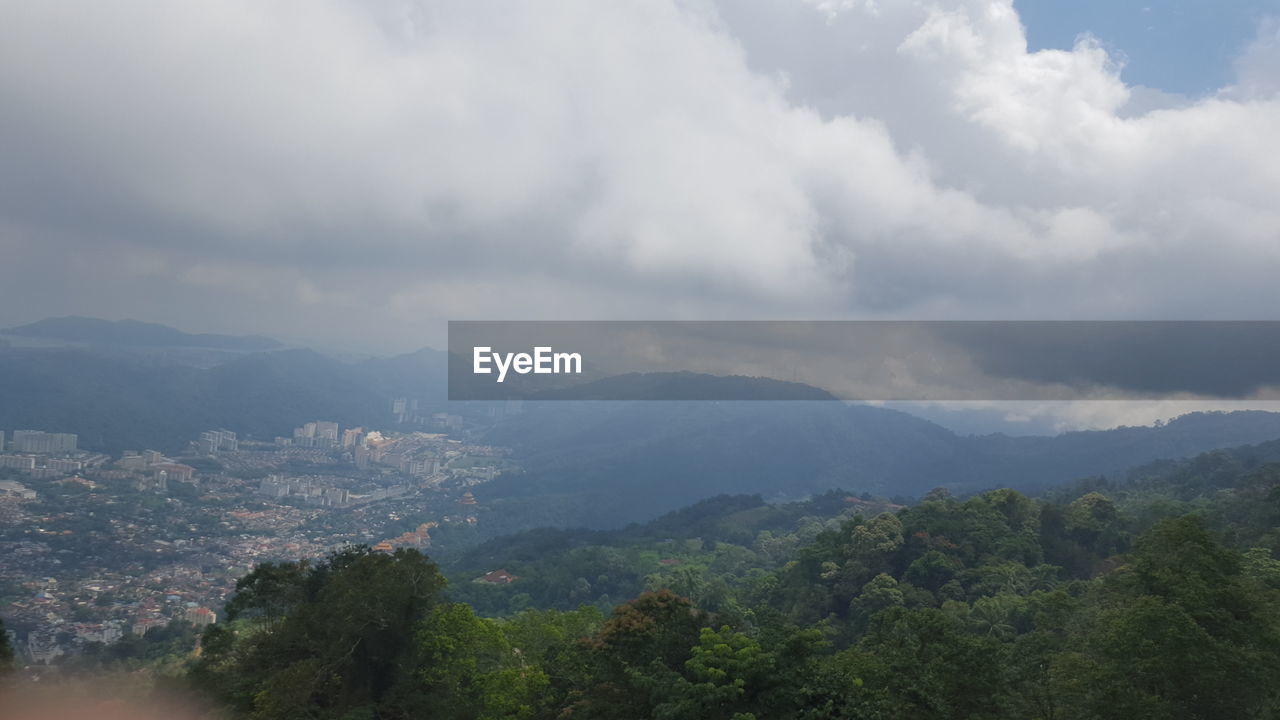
x=99 y=548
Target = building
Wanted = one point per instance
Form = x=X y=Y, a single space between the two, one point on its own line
x=10 y=488
x=18 y=462
x=132 y=461
x=351 y=437
x=327 y=433
x=200 y=616
x=320 y=434
x=105 y=633
x=212 y=441
x=304 y=435
x=173 y=471
x=38 y=441
x=497 y=577
x=336 y=497
x=64 y=465
x=274 y=486
x=42 y=646
x=147 y=624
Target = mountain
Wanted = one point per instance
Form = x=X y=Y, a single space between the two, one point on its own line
x=118 y=403
x=603 y=464
x=595 y=463
x=419 y=374
x=132 y=333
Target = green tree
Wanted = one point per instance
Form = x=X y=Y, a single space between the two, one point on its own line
x=464 y=667
x=1180 y=632
x=338 y=641
x=639 y=655
x=879 y=593
x=726 y=677
x=6 y=651
x=922 y=664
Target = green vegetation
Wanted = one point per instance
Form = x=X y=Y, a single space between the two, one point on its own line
x=1157 y=598
x=6 y=651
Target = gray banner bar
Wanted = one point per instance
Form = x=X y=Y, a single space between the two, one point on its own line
x=863 y=360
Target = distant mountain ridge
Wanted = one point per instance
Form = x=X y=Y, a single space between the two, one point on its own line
x=133 y=333
x=583 y=463
x=605 y=464
x=116 y=403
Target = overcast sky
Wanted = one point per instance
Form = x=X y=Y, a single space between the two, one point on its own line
x=356 y=173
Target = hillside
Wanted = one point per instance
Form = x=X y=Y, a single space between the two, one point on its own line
x=118 y=403
x=1234 y=489
x=608 y=463
x=132 y=333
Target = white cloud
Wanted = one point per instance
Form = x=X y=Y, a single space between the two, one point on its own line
x=1258 y=67
x=290 y=165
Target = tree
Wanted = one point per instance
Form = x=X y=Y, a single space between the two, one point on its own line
x=879 y=593
x=726 y=677
x=922 y=664
x=639 y=655
x=464 y=667
x=1179 y=632
x=6 y=651
x=337 y=636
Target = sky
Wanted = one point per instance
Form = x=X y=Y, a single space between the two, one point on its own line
x=355 y=174
x=1188 y=47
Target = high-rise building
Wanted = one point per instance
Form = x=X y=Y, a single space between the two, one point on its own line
x=38 y=441
x=208 y=442
x=212 y=441
x=351 y=437
x=321 y=434
x=326 y=433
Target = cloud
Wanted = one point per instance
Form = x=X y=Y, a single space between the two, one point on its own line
x=331 y=167
x=1258 y=67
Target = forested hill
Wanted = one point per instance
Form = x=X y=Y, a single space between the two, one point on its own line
x=1109 y=605
x=116 y=401
x=563 y=568
x=605 y=464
